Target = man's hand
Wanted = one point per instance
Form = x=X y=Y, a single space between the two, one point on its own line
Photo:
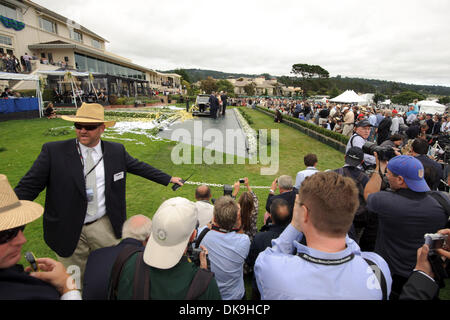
x=444 y=252
x=422 y=261
x=176 y=180
x=236 y=188
x=53 y=272
x=381 y=165
x=203 y=261
x=274 y=185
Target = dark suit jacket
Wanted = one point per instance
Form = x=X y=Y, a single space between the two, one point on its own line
x=58 y=168
x=15 y=284
x=419 y=287
x=98 y=269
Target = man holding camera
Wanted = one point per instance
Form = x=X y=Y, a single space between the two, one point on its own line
x=167 y=273
x=405 y=214
x=227 y=248
x=359 y=138
x=331 y=266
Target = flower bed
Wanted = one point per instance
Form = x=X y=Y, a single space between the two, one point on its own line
x=250 y=133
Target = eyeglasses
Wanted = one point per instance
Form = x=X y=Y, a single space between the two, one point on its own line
x=88 y=127
x=8 y=235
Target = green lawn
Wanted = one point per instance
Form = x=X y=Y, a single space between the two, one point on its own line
x=23 y=140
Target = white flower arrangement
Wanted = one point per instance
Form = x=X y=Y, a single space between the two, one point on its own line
x=250 y=134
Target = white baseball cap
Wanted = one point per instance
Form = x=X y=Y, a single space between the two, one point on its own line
x=172 y=226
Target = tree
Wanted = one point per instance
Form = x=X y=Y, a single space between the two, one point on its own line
x=444 y=100
x=310 y=71
x=407 y=97
x=250 y=89
x=183 y=74
x=378 y=97
x=334 y=92
x=208 y=85
x=225 y=86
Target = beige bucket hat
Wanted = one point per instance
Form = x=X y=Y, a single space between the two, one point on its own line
x=90 y=113
x=14 y=212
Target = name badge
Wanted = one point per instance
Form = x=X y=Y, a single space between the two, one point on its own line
x=90 y=194
x=118 y=176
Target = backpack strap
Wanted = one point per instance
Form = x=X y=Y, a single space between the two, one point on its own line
x=199 y=284
x=201 y=236
x=123 y=256
x=141 y=280
x=380 y=277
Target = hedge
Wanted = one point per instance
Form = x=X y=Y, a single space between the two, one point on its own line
x=149 y=115
x=331 y=138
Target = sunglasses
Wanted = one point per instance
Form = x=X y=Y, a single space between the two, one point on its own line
x=8 y=235
x=88 y=127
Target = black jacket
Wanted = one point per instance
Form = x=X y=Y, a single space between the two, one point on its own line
x=58 y=168
x=98 y=269
x=16 y=284
x=419 y=287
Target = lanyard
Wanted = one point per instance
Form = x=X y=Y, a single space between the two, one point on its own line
x=82 y=161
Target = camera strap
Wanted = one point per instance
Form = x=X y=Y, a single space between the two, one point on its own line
x=200 y=237
x=439 y=198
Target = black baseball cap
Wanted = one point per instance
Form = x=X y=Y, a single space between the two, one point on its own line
x=354 y=156
x=363 y=123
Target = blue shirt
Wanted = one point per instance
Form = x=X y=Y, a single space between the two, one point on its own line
x=227 y=253
x=280 y=275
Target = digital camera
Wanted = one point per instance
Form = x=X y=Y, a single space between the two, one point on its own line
x=435 y=240
x=384 y=153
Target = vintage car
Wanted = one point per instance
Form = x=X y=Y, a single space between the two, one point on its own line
x=201 y=106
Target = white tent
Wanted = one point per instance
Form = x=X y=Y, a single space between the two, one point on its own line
x=431 y=107
x=26 y=77
x=386 y=102
x=348 y=96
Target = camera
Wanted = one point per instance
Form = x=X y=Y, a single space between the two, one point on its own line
x=241 y=180
x=29 y=256
x=194 y=255
x=435 y=240
x=227 y=190
x=384 y=153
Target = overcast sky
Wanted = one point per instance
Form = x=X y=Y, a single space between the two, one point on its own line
x=397 y=40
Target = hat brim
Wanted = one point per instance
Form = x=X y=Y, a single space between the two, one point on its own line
x=163 y=257
x=417 y=185
x=88 y=120
x=26 y=212
x=352 y=162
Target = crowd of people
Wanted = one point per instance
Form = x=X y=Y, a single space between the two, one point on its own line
x=10 y=63
x=348 y=233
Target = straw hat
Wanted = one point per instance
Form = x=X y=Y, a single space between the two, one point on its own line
x=90 y=113
x=14 y=212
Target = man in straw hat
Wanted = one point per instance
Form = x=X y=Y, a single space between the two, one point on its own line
x=85 y=179
x=52 y=282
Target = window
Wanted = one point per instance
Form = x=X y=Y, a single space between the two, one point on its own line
x=8 y=12
x=96 y=44
x=76 y=35
x=47 y=25
x=5 y=40
x=81 y=62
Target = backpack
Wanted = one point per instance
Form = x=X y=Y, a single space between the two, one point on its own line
x=141 y=280
x=362 y=213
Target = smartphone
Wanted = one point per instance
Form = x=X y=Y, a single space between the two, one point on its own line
x=29 y=256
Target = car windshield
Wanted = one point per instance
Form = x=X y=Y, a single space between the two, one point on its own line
x=202 y=99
